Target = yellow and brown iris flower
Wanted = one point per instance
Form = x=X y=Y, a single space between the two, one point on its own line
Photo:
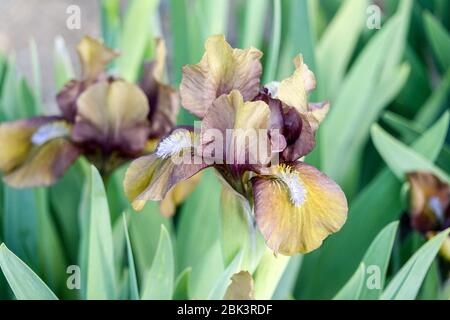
x=104 y=118
x=295 y=206
x=429 y=206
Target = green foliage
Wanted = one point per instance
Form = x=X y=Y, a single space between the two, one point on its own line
x=25 y=284
x=159 y=279
x=406 y=283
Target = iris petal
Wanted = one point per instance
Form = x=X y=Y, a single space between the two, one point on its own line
x=94 y=57
x=221 y=70
x=293 y=91
x=177 y=195
x=44 y=165
x=113 y=115
x=152 y=177
x=297 y=207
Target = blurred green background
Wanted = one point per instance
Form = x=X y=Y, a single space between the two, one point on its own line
x=388 y=89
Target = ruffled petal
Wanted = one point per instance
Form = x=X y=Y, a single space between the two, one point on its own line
x=113 y=115
x=297 y=207
x=221 y=70
x=151 y=177
x=94 y=57
x=294 y=90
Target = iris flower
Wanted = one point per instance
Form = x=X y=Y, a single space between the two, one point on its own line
x=104 y=118
x=429 y=206
x=295 y=205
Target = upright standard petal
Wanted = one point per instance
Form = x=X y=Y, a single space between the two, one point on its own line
x=94 y=57
x=152 y=177
x=243 y=127
x=221 y=70
x=294 y=90
x=297 y=207
x=113 y=117
x=163 y=100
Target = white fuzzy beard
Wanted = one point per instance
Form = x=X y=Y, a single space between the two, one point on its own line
x=173 y=144
x=48 y=132
x=297 y=190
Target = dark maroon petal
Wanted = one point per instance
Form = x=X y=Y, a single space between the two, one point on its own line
x=129 y=143
x=304 y=143
x=67 y=99
x=293 y=125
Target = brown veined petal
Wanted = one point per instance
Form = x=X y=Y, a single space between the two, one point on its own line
x=94 y=57
x=241 y=287
x=297 y=207
x=221 y=70
x=177 y=195
x=114 y=116
x=294 y=90
x=151 y=177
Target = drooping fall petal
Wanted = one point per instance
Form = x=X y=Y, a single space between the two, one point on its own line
x=35 y=152
x=177 y=195
x=151 y=177
x=297 y=207
x=94 y=57
x=221 y=70
x=112 y=116
x=44 y=165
